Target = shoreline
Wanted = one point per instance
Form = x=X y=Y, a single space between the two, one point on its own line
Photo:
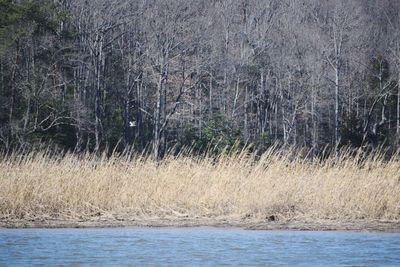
x=273 y=193
x=217 y=222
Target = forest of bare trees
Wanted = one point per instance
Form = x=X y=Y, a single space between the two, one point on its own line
x=156 y=74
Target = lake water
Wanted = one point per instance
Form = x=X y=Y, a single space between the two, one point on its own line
x=195 y=247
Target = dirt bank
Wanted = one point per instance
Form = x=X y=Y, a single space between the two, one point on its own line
x=126 y=220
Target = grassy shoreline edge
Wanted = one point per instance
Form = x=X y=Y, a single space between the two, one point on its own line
x=277 y=190
x=296 y=225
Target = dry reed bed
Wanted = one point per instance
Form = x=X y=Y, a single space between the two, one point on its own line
x=278 y=184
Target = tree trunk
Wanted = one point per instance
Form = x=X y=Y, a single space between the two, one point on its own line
x=263 y=112
x=157 y=118
x=313 y=121
x=246 y=123
x=98 y=100
x=127 y=101
x=160 y=110
x=236 y=98
x=398 y=111
x=139 y=119
x=211 y=95
x=337 y=115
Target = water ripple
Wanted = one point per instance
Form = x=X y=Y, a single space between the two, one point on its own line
x=195 y=247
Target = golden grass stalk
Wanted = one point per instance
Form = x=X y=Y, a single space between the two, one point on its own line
x=278 y=183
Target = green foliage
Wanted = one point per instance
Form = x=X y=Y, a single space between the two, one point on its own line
x=220 y=136
x=351 y=130
x=263 y=142
x=187 y=137
x=25 y=18
x=381 y=97
x=113 y=126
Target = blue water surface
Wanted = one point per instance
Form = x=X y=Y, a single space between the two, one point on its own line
x=195 y=247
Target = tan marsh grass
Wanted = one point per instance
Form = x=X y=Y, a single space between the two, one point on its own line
x=276 y=184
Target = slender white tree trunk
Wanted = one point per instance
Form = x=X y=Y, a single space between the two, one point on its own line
x=337 y=115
